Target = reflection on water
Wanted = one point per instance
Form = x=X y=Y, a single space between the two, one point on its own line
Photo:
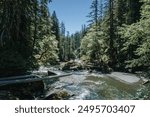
x=85 y=86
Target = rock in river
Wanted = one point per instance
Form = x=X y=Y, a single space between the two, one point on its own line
x=58 y=95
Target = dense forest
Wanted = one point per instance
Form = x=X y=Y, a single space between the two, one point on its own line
x=117 y=37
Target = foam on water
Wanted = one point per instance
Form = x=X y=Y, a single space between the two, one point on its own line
x=84 y=93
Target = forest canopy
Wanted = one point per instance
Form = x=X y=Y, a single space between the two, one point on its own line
x=117 y=37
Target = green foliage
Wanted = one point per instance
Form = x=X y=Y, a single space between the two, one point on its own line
x=12 y=59
x=110 y=40
x=133 y=11
x=47 y=51
x=118 y=36
x=94 y=46
x=25 y=35
x=94 y=14
x=137 y=36
x=15 y=34
x=46 y=46
x=56 y=32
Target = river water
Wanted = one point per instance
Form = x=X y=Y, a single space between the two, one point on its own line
x=95 y=86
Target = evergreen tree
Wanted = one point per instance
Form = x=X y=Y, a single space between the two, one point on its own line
x=120 y=9
x=24 y=28
x=94 y=14
x=16 y=38
x=137 y=36
x=56 y=31
x=111 y=33
x=46 y=49
x=93 y=44
x=62 y=41
x=94 y=17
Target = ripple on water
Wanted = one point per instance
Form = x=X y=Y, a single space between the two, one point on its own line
x=85 y=86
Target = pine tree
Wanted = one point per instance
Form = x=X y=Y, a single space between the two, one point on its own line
x=111 y=33
x=94 y=14
x=94 y=17
x=62 y=41
x=56 y=31
x=93 y=44
x=120 y=10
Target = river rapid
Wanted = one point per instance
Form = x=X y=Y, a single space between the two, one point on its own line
x=82 y=85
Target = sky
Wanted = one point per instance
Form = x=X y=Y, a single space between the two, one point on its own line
x=72 y=12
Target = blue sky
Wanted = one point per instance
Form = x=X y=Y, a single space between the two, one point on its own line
x=72 y=12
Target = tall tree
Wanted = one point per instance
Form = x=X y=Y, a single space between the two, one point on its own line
x=111 y=33
x=62 y=41
x=46 y=44
x=94 y=14
x=56 y=31
x=137 y=37
x=101 y=9
x=94 y=17
x=93 y=44
x=120 y=10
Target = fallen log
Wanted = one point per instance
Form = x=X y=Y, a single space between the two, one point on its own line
x=28 y=78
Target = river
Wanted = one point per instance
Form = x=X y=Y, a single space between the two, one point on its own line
x=82 y=85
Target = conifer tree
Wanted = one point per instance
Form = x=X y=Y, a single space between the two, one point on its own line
x=56 y=31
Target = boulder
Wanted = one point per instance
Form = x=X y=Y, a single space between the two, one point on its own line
x=58 y=95
x=71 y=65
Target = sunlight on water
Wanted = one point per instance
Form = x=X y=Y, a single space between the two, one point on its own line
x=83 y=85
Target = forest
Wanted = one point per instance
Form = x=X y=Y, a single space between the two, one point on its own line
x=117 y=37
